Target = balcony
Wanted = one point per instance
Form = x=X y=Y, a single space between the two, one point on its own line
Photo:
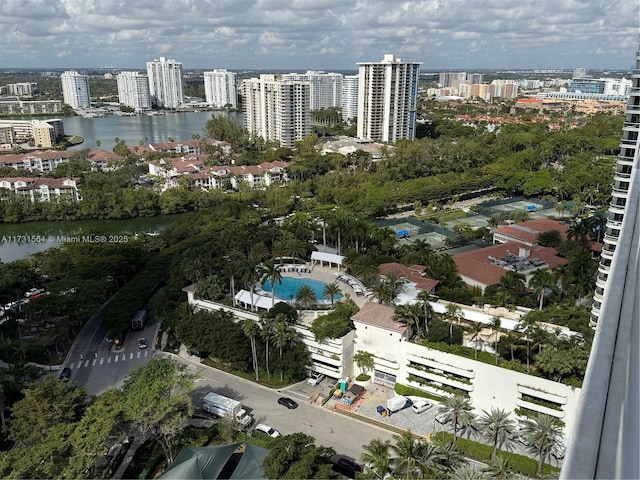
x=539 y=408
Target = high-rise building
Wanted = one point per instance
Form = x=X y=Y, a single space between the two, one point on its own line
x=604 y=442
x=387 y=98
x=133 y=90
x=75 y=89
x=277 y=110
x=220 y=88
x=452 y=79
x=579 y=72
x=475 y=78
x=165 y=82
x=325 y=88
x=349 y=97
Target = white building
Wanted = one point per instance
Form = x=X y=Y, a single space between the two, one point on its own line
x=42 y=189
x=277 y=110
x=165 y=82
x=325 y=88
x=75 y=89
x=220 y=88
x=349 y=97
x=387 y=97
x=133 y=90
x=24 y=88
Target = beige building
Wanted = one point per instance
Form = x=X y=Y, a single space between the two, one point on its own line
x=42 y=134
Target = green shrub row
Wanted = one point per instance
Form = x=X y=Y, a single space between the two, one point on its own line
x=405 y=390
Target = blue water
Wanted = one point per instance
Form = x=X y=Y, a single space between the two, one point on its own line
x=286 y=290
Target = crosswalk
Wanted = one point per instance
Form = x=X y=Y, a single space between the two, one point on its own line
x=110 y=358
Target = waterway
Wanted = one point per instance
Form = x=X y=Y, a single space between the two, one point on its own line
x=139 y=128
x=18 y=240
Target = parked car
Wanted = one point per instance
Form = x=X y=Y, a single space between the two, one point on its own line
x=288 y=402
x=142 y=343
x=34 y=293
x=421 y=406
x=443 y=418
x=65 y=374
x=315 y=378
x=110 y=337
x=344 y=464
x=267 y=430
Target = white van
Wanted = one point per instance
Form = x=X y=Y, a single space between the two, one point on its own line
x=420 y=406
x=266 y=429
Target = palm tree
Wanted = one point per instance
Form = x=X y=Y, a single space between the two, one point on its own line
x=540 y=281
x=450 y=456
x=331 y=290
x=429 y=460
x=526 y=326
x=495 y=427
x=475 y=329
x=266 y=333
x=306 y=297
x=364 y=360
x=376 y=459
x=407 y=449
x=281 y=335
x=458 y=409
x=511 y=340
x=251 y=330
x=453 y=313
x=498 y=468
x=495 y=324
x=408 y=314
x=429 y=314
x=465 y=472
x=544 y=434
x=271 y=272
x=513 y=282
x=579 y=232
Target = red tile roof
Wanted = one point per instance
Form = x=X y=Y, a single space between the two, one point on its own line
x=378 y=315
x=412 y=273
x=528 y=231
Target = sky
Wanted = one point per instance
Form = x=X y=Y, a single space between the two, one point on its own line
x=330 y=35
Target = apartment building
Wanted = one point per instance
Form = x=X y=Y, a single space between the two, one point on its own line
x=22 y=89
x=325 y=89
x=165 y=82
x=75 y=89
x=220 y=88
x=452 y=79
x=277 y=110
x=24 y=107
x=133 y=90
x=42 y=134
x=349 y=97
x=387 y=97
x=41 y=189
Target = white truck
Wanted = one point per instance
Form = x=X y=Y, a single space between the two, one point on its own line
x=225 y=407
x=398 y=403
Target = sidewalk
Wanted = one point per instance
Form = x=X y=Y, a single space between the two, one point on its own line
x=133 y=448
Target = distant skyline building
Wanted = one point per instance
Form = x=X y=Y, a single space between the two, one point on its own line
x=277 y=110
x=220 y=88
x=325 y=88
x=387 y=98
x=165 y=82
x=579 y=73
x=600 y=86
x=75 y=89
x=349 y=97
x=133 y=90
x=22 y=89
x=452 y=79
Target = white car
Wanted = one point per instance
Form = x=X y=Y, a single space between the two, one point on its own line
x=420 y=406
x=443 y=418
x=315 y=379
x=34 y=292
x=266 y=429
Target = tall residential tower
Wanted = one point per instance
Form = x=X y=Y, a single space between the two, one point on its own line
x=349 y=97
x=387 y=98
x=220 y=88
x=325 y=88
x=133 y=91
x=75 y=89
x=277 y=110
x=165 y=82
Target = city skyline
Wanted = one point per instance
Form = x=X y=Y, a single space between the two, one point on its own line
x=320 y=34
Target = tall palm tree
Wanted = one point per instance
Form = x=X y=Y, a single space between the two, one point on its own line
x=376 y=459
x=331 y=290
x=424 y=297
x=429 y=460
x=540 y=281
x=458 y=409
x=495 y=427
x=498 y=468
x=407 y=448
x=495 y=324
x=270 y=271
x=450 y=456
x=281 y=335
x=474 y=330
x=453 y=313
x=251 y=329
x=266 y=332
x=409 y=314
x=306 y=297
x=513 y=282
x=235 y=261
x=544 y=434
x=526 y=326
x=511 y=341
x=364 y=360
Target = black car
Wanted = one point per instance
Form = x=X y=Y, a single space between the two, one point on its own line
x=65 y=374
x=287 y=402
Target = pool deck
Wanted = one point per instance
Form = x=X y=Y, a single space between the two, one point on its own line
x=329 y=275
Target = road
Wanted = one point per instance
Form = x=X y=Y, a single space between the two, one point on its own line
x=344 y=434
x=98 y=365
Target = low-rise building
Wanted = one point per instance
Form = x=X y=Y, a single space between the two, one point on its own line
x=42 y=189
x=47 y=160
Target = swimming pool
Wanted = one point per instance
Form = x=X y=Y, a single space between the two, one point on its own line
x=286 y=290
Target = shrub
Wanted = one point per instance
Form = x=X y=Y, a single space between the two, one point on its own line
x=405 y=390
x=363 y=377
